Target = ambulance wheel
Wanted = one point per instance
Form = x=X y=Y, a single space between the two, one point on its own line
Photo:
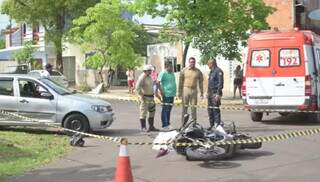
x=284 y=113
x=314 y=117
x=256 y=116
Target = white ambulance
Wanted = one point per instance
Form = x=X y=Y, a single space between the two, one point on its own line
x=282 y=73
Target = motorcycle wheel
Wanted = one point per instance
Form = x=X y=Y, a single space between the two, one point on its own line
x=248 y=145
x=230 y=150
x=181 y=149
x=204 y=154
x=251 y=145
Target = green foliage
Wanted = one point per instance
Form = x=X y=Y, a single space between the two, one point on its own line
x=53 y=15
x=25 y=54
x=215 y=27
x=104 y=31
x=84 y=87
x=24 y=149
x=2 y=44
x=142 y=40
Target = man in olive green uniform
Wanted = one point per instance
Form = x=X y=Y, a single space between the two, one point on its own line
x=189 y=79
x=144 y=88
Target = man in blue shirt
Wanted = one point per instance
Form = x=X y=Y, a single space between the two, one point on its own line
x=166 y=83
x=215 y=86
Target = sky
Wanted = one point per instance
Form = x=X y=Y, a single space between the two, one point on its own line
x=4 y=20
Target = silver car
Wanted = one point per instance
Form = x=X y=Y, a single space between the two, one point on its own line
x=43 y=99
x=55 y=76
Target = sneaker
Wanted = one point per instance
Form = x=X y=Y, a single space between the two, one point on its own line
x=144 y=130
x=166 y=128
x=152 y=129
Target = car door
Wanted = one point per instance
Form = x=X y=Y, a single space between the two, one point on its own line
x=289 y=78
x=8 y=98
x=259 y=77
x=32 y=103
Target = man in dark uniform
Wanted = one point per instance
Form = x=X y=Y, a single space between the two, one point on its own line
x=215 y=86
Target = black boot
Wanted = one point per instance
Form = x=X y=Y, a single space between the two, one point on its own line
x=143 y=124
x=151 y=126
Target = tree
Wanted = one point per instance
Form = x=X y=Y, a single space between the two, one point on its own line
x=105 y=32
x=2 y=43
x=215 y=27
x=53 y=15
x=25 y=54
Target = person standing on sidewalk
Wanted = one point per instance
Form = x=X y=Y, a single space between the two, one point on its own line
x=237 y=81
x=166 y=83
x=130 y=79
x=215 y=86
x=154 y=76
x=144 y=88
x=189 y=79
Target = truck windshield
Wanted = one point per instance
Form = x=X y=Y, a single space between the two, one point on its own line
x=56 y=87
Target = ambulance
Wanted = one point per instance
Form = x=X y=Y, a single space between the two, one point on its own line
x=282 y=73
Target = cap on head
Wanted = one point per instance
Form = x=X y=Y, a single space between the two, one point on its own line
x=147 y=67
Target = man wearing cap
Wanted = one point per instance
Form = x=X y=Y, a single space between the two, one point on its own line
x=144 y=88
x=48 y=70
x=190 y=78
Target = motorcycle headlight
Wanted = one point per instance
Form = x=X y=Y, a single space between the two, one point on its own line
x=102 y=109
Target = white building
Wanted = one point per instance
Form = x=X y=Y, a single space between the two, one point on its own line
x=158 y=53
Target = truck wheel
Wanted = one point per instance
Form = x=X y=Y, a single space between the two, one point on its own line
x=284 y=113
x=256 y=116
x=77 y=122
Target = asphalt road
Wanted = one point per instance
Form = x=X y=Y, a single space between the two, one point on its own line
x=296 y=159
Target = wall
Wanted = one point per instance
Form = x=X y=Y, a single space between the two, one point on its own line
x=283 y=17
x=5 y=65
x=157 y=53
x=82 y=74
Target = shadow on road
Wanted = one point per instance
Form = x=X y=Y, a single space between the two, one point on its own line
x=119 y=132
x=37 y=130
x=294 y=119
x=244 y=155
x=83 y=173
x=239 y=156
x=219 y=165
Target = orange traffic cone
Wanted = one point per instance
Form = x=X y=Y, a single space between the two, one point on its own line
x=123 y=172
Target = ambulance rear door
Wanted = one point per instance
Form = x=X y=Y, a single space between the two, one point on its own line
x=259 y=77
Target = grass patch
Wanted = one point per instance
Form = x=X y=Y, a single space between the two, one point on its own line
x=24 y=149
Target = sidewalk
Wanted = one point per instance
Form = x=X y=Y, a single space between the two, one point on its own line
x=122 y=93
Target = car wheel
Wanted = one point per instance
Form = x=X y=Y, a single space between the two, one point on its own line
x=256 y=116
x=77 y=122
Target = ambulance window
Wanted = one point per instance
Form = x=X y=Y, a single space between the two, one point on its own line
x=260 y=58
x=289 y=57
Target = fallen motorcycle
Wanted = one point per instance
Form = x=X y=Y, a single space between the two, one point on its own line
x=200 y=138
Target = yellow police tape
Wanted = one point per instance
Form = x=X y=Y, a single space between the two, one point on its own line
x=284 y=136
x=50 y=124
x=205 y=106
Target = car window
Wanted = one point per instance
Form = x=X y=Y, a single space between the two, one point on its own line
x=34 y=74
x=31 y=89
x=6 y=87
x=56 y=87
x=55 y=73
